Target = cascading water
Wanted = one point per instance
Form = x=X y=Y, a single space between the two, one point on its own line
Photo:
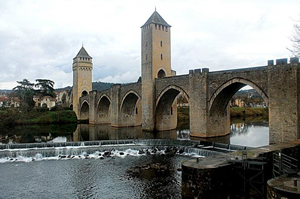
x=119 y=148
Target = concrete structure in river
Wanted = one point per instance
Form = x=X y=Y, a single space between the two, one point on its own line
x=152 y=102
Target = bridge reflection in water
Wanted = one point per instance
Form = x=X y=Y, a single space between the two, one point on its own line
x=242 y=133
x=247 y=134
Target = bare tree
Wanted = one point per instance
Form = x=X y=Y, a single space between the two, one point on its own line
x=295 y=38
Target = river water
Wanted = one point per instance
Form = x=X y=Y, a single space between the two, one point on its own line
x=92 y=174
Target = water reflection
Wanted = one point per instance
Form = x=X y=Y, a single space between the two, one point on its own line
x=247 y=132
x=87 y=132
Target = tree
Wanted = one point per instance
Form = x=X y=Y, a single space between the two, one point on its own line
x=45 y=87
x=295 y=38
x=25 y=92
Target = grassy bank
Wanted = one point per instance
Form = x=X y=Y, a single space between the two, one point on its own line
x=248 y=111
x=183 y=113
x=15 y=116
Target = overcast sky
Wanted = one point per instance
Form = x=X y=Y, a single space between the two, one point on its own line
x=39 y=39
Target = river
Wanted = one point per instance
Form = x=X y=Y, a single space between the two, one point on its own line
x=95 y=175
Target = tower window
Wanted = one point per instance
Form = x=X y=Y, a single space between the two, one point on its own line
x=166 y=29
x=146 y=56
x=155 y=26
x=163 y=28
x=136 y=110
x=161 y=73
x=161 y=56
x=84 y=93
x=161 y=43
x=159 y=27
x=146 y=44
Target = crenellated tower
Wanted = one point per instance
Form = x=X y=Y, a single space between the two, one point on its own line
x=156 y=63
x=82 y=77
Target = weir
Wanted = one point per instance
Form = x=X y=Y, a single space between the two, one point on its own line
x=97 y=149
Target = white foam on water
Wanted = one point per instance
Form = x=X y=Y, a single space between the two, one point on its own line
x=82 y=152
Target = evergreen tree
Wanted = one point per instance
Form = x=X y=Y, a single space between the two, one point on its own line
x=25 y=92
x=45 y=87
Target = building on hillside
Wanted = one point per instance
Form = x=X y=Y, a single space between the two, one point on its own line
x=15 y=102
x=37 y=100
x=47 y=101
x=4 y=101
x=237 y=102
x=64 y=98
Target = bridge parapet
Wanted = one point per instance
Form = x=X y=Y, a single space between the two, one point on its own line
x=284 y=61
x=198 y=70
x=181 y=82
x=135 y=87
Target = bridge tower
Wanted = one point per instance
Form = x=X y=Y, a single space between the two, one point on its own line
x=156 y=63
x=82 y=77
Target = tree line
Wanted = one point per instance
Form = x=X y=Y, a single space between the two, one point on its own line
x=26 y=90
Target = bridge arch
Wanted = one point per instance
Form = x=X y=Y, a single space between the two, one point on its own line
x=166 y=107
x=218 y=121
x=131 y=109
x=221 y=97
x=84 y=110
x=103 y=110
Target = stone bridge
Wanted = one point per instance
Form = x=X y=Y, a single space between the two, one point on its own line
x=208 y=95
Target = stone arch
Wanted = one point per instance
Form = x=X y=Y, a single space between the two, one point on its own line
x=166 y=108
x=103 y=110
x=130 y=109
x=84 y=110
x=220 y=99
x=161 y=73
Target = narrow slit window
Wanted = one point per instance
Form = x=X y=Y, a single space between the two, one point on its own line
x=161 y=56
x=161 y=43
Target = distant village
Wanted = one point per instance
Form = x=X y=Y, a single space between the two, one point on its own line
x=62 y=99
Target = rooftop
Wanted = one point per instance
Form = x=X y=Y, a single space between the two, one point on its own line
x=155 y=18
x=82 y=53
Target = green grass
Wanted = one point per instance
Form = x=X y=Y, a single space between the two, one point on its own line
x=235 y=112
x=15 y=116
x=247 y=111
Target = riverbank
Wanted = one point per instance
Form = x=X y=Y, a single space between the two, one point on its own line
x=17 y=117
x=236 y=112
x=248 y=111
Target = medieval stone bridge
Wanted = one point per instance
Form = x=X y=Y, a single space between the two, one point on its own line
x=208 y=95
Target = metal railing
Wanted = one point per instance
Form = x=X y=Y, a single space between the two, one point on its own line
x=284 y=164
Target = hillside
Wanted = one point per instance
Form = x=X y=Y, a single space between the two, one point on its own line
x=99 y=86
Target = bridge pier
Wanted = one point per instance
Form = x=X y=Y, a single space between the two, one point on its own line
x=92 y=107
x=198 y=102
x=148 y=102
x=115 y=105
x=166 y=116
x=219 y=124
x=284 y=98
